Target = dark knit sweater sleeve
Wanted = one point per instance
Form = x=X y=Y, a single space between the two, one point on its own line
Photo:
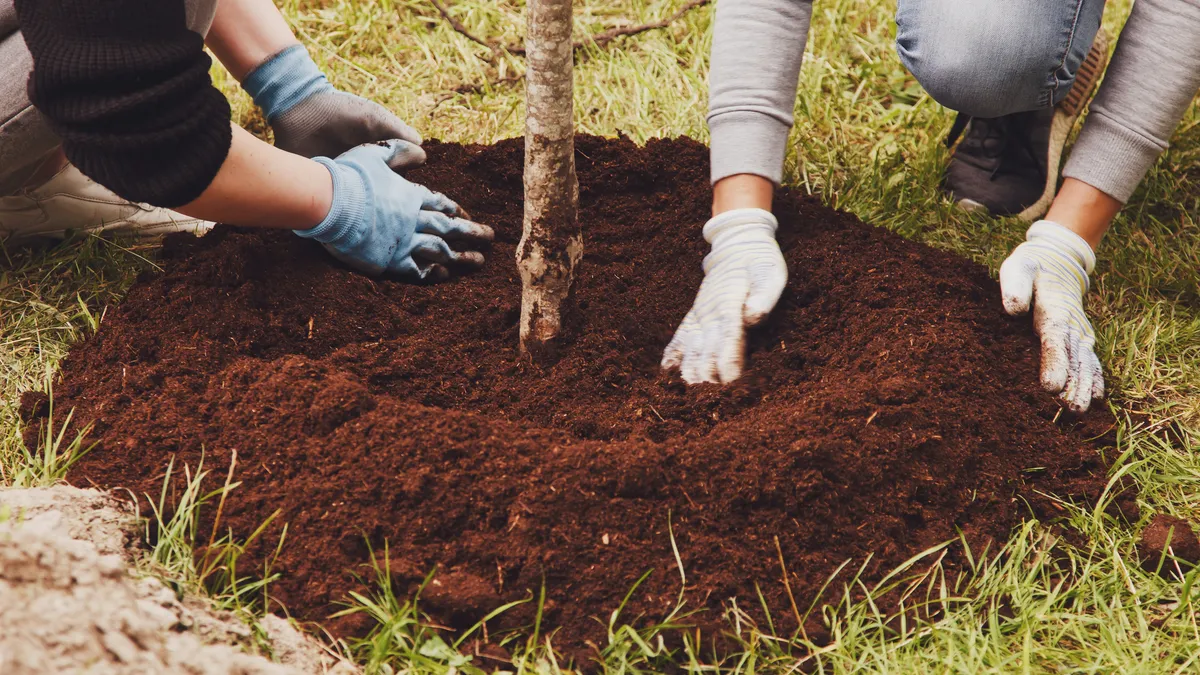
x=125 y=84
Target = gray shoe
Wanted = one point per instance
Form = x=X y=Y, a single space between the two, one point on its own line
x=1009 y=165
x=1002 y=164
x=72 y=202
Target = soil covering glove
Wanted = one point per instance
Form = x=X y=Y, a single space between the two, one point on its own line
x=1050 y=271
x=380 y=223
x=744 y=276
x=312 y=118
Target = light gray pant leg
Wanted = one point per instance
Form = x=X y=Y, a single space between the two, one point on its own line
x=8 y=18
x=200 y=15
x=25 y=137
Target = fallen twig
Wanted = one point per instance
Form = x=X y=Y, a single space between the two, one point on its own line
x=599 y=39
x=603 y=38
x=788 y=586
x=462 y=30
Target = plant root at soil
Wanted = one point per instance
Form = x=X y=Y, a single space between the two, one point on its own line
x=888 y=404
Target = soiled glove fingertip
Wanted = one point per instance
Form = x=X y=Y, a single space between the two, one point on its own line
x=1098 y=387
x=1016 y=284
x=699 y=368
x=1054 y=380
x=1015 y=305
x=474 y=230
x=1073 y=402
x=730 y=372
x=470 y=258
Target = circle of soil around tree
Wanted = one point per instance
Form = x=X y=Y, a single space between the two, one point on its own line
x=888 y=404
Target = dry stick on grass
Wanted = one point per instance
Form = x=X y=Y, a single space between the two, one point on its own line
x=788 y=586
x=603 y=38
x=477 y=88
x=462 y=30
x=599 y=39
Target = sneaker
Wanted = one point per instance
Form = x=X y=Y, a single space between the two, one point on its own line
x=72 y=202
x=1009 y=165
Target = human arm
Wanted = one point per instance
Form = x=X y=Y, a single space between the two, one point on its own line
x=1153 y=77
x=757 y=50
x=356 y=205
x=245 y=33
x=259 y=185
x=126 y=86
x=308 y=115
x=758 y=46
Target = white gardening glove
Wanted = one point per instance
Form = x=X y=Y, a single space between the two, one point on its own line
x=744 y=276
x=1051 y=269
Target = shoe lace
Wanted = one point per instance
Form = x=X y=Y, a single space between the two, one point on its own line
x=1004 y=139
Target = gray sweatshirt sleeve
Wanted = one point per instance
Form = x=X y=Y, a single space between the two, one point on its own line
x=755 y=68
x=1154 y=73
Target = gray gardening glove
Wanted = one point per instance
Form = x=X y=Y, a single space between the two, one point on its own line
x=310 y=117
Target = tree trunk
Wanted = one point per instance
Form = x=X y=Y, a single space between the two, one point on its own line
x=552 y=244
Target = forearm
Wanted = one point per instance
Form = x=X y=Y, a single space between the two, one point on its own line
x=1153 y=76
x=262 y=186
x=758 y=46
x=246 y=33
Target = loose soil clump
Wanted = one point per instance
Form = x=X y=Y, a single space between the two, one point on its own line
x=887 y=405
x=1169 y=546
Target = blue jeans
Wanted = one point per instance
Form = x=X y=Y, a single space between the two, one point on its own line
x=989 y=58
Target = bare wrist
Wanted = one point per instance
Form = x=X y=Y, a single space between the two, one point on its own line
x=742 y=191
x=1084 y=210
x=320 y=200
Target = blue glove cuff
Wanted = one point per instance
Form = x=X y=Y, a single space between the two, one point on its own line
x=284 y=80
x=348 y=208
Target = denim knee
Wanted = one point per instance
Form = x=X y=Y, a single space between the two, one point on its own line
x=965 y=73
x=989 y=59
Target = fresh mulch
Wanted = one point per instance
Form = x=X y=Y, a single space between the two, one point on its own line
x=888 y=404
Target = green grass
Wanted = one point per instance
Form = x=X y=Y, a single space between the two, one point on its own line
x=867 y=139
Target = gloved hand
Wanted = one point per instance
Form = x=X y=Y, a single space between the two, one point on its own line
x=744 y=277
x=309 y=116
x=1051 y=268
x=381 y=223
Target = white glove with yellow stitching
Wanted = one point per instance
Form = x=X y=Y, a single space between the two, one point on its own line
x=1051 y=270
x=744 y=276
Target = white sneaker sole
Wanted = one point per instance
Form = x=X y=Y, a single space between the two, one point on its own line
x=139 y=230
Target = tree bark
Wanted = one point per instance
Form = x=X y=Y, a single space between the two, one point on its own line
x=552 y=243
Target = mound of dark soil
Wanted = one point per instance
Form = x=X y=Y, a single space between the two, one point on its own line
x=888 y=404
